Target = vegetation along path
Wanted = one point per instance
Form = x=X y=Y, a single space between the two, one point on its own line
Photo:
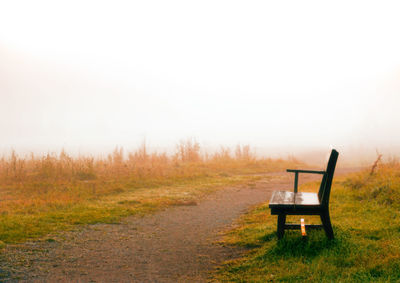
x=178 y=244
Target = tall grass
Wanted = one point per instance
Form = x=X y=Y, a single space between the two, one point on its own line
x=36 y=191
x=188 y=161
x=380 y=185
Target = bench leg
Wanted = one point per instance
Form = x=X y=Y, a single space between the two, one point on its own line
x=326 y=222
x=281 y=225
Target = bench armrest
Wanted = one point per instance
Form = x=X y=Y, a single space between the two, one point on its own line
x=296 y=175
x=305 y=171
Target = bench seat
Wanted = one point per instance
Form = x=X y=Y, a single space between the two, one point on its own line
x=293 y=203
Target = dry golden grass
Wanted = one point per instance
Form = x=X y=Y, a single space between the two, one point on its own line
x=40 y=194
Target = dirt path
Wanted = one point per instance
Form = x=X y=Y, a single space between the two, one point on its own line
x=174 y=245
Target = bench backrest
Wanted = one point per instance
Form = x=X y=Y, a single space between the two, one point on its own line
x=325 y=188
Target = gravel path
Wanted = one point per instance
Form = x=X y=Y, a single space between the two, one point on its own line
x=178 y=244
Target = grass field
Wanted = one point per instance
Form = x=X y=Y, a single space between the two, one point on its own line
x=365 y=213
x=42 y=194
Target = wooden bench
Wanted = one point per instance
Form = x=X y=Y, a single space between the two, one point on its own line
x=284 y=203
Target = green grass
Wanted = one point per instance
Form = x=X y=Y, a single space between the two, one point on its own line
x=38 y=219
x=365 y=213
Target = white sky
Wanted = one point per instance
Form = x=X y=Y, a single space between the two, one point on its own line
x=95 y=74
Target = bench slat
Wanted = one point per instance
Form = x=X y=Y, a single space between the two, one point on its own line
x=285 y=198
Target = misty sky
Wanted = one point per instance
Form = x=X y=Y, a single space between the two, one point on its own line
x=94 y=74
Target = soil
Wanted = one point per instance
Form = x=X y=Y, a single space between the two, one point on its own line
x=179 y=244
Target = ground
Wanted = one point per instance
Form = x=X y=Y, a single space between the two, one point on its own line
x=179 y=244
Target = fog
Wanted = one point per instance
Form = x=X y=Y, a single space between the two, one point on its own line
x=286 y=77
